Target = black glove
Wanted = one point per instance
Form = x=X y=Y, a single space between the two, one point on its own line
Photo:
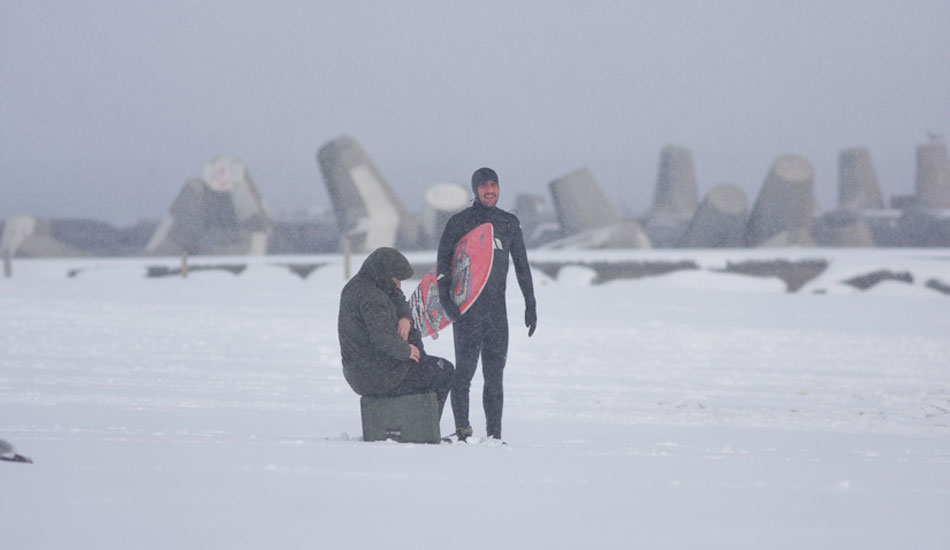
x=445 y=298
x=531 y=318
x=451 y=309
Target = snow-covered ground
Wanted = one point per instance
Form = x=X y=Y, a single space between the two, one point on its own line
x=692 y=410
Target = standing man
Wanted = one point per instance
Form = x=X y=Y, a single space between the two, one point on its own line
x=382 y=352
x=483 y=330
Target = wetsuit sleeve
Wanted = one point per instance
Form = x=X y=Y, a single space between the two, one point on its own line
x=450 y=238
x=447 y=242
x=519 y=256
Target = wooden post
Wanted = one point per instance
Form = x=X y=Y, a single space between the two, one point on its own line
x=184 y=264
x=7 y=263
x=345 y=245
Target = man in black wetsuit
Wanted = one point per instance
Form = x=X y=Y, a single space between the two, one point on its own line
x=483 y=330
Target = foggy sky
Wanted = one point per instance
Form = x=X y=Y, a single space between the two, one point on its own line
x=107 y=108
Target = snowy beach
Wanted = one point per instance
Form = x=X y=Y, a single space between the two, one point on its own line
x=694 y=409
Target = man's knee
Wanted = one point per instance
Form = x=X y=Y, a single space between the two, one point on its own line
x=444 y=365
x=495 y=353
x=493 y=386
x=446 y=373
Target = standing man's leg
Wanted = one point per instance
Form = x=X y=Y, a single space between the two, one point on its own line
x=467 y=344
x=494 y=357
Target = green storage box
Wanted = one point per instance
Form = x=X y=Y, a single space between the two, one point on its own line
x=407 y=419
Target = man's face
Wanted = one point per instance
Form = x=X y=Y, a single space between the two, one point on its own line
x=398 y=282
x=488 y=193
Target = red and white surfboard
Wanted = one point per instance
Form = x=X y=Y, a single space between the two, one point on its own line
x=471 y=266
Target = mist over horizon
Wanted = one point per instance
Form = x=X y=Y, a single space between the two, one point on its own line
x=108 y=109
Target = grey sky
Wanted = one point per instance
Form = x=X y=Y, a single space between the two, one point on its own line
x=106 y=108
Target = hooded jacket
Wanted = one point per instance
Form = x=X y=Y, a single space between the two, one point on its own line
x=375 y=357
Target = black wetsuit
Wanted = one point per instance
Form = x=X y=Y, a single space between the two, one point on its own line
x=483 y=330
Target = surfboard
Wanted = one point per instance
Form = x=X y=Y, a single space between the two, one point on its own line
x=471 y=266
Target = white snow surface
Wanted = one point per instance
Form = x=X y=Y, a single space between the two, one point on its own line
x=692 y=410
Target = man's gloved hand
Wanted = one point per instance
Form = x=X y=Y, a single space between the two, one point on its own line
x=451 y=309
x=531 y=318
x=445 y=298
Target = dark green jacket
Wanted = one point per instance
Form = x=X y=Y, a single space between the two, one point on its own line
x=375 y=357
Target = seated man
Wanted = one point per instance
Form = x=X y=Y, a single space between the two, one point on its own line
x=383 y=355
